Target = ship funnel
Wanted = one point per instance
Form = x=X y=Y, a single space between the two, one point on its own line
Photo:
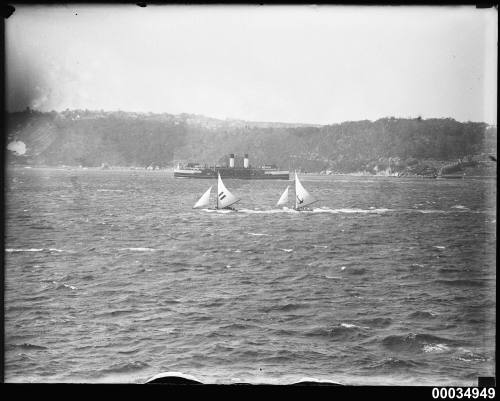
x=231 y=160
x=245 y=161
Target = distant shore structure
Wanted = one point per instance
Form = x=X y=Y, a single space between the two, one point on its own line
x=231 y=170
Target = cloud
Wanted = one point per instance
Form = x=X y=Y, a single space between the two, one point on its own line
x=306 y=64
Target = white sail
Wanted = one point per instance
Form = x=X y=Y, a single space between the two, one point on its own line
x=284 y=198
x=302 y=197
x=224 y=197
x=204 y=201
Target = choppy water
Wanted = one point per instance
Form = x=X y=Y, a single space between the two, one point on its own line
x=111 y=276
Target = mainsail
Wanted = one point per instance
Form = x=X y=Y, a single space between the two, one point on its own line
x=302 y=197
x=224 y=197
x=284 y=198
x=204 y=201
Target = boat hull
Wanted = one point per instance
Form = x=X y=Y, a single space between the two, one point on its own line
x=232 y=173
x=451 y=177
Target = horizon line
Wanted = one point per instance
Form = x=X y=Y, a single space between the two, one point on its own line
x=249 y=121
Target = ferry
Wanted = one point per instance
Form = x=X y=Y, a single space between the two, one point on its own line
x=245 y=172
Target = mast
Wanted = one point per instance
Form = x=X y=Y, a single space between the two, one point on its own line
x=295 y=182
x=218 y=189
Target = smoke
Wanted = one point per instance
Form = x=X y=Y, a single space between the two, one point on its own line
x=18 y=147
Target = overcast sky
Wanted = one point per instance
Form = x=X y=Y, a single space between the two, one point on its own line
x=305 y=64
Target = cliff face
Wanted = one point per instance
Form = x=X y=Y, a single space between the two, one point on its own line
x=385 y=146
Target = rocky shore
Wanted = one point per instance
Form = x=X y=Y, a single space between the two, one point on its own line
x=474 y=165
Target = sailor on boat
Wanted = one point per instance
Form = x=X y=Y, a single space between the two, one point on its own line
x=302 y=198
x=225 y=199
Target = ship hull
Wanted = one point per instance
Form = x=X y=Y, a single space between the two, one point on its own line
x=232 y=173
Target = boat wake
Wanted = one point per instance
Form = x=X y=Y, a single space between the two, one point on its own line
x=10 y=250
x=137 y=249
x=317 y=210
x=293 y=211
x=219 y=211
x=328 y=210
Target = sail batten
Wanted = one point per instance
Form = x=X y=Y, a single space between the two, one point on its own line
x=204 y=201
x=302 y=197
x=284 y=198
x=224 y=197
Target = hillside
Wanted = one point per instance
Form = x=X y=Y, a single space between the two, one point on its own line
x=93 y=138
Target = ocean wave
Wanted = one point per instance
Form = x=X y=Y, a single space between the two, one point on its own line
x=378 y=322
x=395 y=364
x=356 y=271
x=348 y=332
x=422 y=315
x=460 y=207
x=288 y=307
x=17 y=308
x=417 y=342
x=24 y=250
x=41 y=227
x=281 y=356
x=137 y=249
x=116 y=313
x=259 y=234
x=417 y=265
x=25 y=357
x=125 y=367
x=463 y=282
x=71 y=287
x=26 y=346
x=342 y=332
x=466 y=355
x=281 y=332
x=352 y=326
x=435 y=348
x=34 y=250
x=236 y=326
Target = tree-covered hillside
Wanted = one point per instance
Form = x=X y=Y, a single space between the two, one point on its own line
x=90 y=138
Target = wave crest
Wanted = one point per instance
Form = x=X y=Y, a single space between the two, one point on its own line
x=417 y=343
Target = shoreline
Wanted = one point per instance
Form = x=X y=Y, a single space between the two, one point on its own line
x=308 y=174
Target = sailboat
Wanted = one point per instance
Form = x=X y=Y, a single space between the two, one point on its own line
x=302 y=197
x=225 y=199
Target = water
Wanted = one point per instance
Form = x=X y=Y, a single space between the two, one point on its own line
x=110 y=276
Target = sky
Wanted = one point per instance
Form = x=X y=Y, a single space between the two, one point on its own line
x=299 y=64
